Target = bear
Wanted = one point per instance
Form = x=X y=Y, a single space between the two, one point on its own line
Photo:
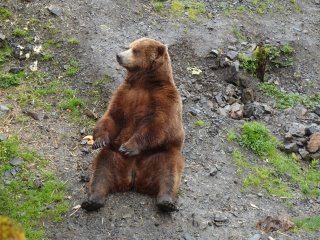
x=141 y=134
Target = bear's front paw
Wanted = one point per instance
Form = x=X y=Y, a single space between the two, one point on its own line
x=91 y=205
x=125 y=150
x=100 y=142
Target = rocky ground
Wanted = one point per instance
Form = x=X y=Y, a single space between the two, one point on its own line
x=211 y=202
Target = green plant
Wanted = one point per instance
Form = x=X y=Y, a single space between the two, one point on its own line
x=23 y=200
x=73 y=68
x=28 y=39
x=72 y=104
x=287 y=49
x=238 y=34
x=158 y=5
x=73 y=40
x=20 y=32
x=10 y=79
x=309 y=223
x=51 y=28
x=46 y=55
x=255 y=136
x=276 y=56
x=5 y=53
x=177 y=8
x=232 y=136
x=192 y=8
x=51 y=43
x=199 y=123
x=5 y=13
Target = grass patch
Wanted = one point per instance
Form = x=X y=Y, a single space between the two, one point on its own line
x=286 y=100
x=5 y=53
x=47 y=55
x=10 y=79
x=279 y=173
x=185 y=9
x=50 y=28
x=73 y=40
x=158 y=5
x=238 y=34
x=72 y=68
x=5 y=13
x=24 y=201
x=256 y=137
x=51 y=43
x=232 y=136
x=20 y=32
x=260 y=7
x=308 y=224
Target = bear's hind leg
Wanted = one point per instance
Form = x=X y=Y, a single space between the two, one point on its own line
x=170 y=181
x=160 y=174
x=110 y=174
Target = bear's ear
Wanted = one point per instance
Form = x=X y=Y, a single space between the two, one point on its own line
x=161 y=50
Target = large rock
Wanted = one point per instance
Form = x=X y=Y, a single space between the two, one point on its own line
x=2 y=39
x=296 y=129
x=291 y=147
x=314 y=143
x=247 y=95
x=317 y=110
x=236 y=111
x=3 y=109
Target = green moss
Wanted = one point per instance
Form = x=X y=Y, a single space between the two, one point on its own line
x=308 y=224
x=19 y=32
x=46 y=55
x=21 y=199
x=199 y=123
x=232 y=136
x=10 y=79
x=176 y=8
x=51 y=28
x=192 y=9
x=5 y=53
x=158 y=6
x=52 y=43
x=5 y=13
x=73 y=40
x=238 y=34
x=73 y=68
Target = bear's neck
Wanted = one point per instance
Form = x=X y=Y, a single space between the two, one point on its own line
x=160 y=76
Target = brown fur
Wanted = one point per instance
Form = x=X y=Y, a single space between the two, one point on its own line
x=141 y=132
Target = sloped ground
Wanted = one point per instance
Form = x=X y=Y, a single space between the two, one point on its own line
x=104 y=29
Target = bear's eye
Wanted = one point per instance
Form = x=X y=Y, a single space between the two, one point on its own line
x=135 y=51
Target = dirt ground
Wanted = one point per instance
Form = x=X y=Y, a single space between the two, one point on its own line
x=105 y=28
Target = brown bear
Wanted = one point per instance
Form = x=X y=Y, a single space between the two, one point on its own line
x=141 y=133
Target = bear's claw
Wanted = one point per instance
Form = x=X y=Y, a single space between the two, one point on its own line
x=99 y=144
x=91 y=206
x=128 y=152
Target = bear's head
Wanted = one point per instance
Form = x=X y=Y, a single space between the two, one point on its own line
x=143 y=54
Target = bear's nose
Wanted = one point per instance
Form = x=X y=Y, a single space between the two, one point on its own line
x=118 y=58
